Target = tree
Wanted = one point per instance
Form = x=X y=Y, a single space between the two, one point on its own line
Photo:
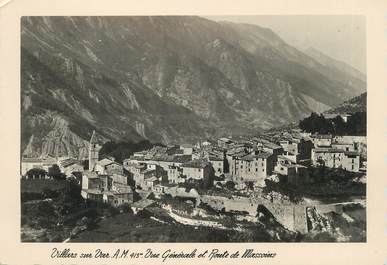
x=55 y=173
x=356 y=124
x=123 y=150
x=230 y=185
x=250 y=185
x=36 y=173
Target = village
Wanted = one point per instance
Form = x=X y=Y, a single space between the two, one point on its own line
x=247 y=178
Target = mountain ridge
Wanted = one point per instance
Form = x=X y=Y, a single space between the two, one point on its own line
x=335 y=64
x=165 y=79
x=353 y=105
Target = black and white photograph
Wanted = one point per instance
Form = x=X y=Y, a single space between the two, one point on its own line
x=229 y=129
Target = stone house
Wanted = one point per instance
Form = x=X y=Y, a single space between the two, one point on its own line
x=197 y=169
x=289 y=172
x=344 y=146
x=322 y=140
x=336 y=158
x=41 y=163
x=150 y=182
x=105 y=188
x=217 y=164
x=174 y=174
x=108 y=166
x=105 y=182
x=141 y=205
x=253 y=167
x=297 y=147
x=187 y=149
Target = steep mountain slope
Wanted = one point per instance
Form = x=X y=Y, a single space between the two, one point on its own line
x=356 y=104
x=166 y=79
x=335 y=64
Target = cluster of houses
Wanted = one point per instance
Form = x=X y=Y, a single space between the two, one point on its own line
x=338 y=152
x=281 y=156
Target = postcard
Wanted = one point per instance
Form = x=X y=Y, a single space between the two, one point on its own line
x=140 y=133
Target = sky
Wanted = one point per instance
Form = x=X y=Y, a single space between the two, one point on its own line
x=342 y=37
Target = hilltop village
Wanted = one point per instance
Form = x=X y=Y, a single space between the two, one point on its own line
x=277 y=173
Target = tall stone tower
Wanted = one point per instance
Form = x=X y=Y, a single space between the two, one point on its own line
x=94 y=148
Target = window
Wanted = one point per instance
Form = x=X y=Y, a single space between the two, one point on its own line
x=256 y=169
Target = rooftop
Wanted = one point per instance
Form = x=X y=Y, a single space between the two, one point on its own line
x=104 y=162
x=351 y=153
x=322 y=136
x=151 y=179
x=68 y=162
x=328 y=150
x=148 y=171
x=272 y=145
x=252 y=157
x=143 y=203
x=196 y=164
x=215 y=158
x=39 y=160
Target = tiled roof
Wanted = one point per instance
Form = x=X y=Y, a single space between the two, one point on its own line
x=45 y=160
x=271 y=145
x=32 y=160
x=215 y=158
x=148 y=171
x=104 y=162
x=322 y=136
x=143 y=203
x=285 y=158
x=328 y=150
x=152 y=179
x=252 y=157
x=68 y=162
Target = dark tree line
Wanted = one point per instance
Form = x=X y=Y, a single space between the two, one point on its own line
x=123 y=150
x=54 y=172
x=356 y=124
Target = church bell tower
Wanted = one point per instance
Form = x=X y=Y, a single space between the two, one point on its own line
x=94 y=148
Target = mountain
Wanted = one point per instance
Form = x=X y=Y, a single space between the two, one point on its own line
x=356 y=104
x=335 y=64
x=166 y=79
